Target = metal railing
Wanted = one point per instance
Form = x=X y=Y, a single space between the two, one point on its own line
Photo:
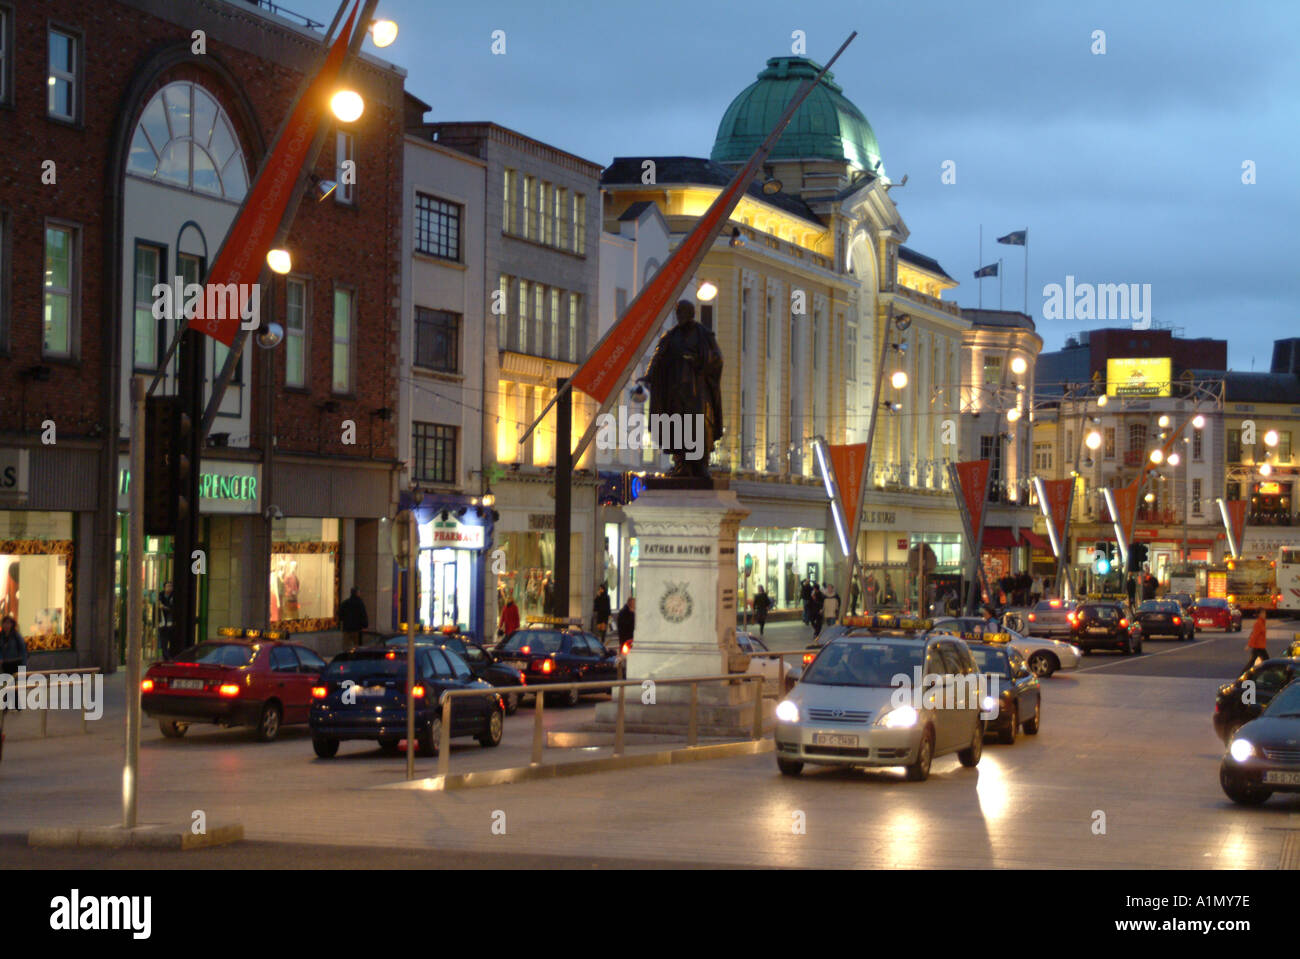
x=539 y=709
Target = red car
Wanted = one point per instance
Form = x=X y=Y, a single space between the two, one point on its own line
x=1216 y=614
x=232 y=682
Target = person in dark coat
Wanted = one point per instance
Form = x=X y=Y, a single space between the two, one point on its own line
x=816 y=617
x=805 y=597
x=762 y=603
x=353 y=619
x=1132 y=587
x=685 y=379
x=627 y=621
x=855 y=595
x=13 y=650
x=167 y=622
x=600 y=612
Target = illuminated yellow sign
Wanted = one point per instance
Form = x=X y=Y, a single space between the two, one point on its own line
x=1138 y=376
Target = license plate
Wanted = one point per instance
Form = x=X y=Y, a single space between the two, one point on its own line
x=1277 y=777
x=1097 y=631
x=187 y=684
x=370 y=692
x=834 y=739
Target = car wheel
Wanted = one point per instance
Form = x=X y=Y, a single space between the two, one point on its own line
x=389 y=744
x=512 y=704
x=429 y=737
x=1043 y=664
x=789 y=767
x=496 y=725
x=1031 y=725
x=1007 y=736
x=172 y=729
x=326 y=747
x=970 y=756
x=919 y=771
x=268 y=724
x=1241 y=793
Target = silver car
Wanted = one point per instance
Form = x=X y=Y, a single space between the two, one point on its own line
x=884 y=698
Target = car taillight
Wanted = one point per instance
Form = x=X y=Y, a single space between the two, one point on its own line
x=1032 y=617
x=525 y=649
x=808 y=658
x=418 y=692
x=146 y=686
x=548 y=665
x=1178 y=620
x=228 y=689
x=1123 y=622
x=319 y=692
x=1055 y=603
x=1073 y=618
x=627 y=647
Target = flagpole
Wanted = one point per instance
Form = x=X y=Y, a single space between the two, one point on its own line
x=1026 y=272
x=1000 y=271
x=980 y=261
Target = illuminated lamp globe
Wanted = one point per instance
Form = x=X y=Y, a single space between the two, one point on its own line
x=1018 y=365
x=1013 y=414
x=1150 y=497
x=383 y=32
x=1198 y=421
x=279 y=261
x=1173 y=459
x=1270 y=438
x=1093 y=441
x=1163 y=421
x=1157 y=456
x=347 y=105
x=1103 y=400
x=706 y=292
x=899 y=379
x=1265 y=469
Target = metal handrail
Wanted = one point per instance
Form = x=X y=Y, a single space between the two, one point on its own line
x=539 y=700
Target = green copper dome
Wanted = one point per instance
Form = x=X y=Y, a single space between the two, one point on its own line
x=827 y=125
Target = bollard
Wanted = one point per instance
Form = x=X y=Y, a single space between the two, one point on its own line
x=444 y=738
x=538 y=735
x=692 y=728
x=618 y=723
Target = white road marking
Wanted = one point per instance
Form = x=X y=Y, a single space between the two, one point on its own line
x=1129 y=659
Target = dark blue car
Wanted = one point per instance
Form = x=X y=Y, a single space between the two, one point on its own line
x=362 y=695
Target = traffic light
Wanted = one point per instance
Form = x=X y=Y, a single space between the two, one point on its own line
x=1101 y=558
x=182 y=465
x=159 y=493
x=1137 y=556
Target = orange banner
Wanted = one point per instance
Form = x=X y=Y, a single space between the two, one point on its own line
x=973 y=476
x=848 y=464
x=1126 y=506
x=1056 y=495
x=243 y=254
x=1237 y=513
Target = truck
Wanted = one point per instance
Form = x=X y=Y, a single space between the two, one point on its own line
x=1249 y=584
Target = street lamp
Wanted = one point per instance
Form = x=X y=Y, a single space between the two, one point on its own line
x=1198 y=421
x=1270 y=438
x=383 y=32
x=1018 y=365
x=1265 y=469
x=1093 y=440
x=1013 y=414
x=347 y=105
x=1157 y=456
x=1163 y=421
x=706 y=292
x=279 y=261
x=1103 y=400
x=899 y=380
x=1173 y=459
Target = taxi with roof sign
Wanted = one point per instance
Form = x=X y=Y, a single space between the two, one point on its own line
x=886 y=692
x=1014 y=689
x=1043 y=656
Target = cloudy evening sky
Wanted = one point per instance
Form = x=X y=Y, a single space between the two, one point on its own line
x=1125 y=167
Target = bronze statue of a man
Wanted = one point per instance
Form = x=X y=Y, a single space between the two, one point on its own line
x=685 y=382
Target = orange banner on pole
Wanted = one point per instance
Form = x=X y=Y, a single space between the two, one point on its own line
x=243 y=254
x=1056 y=495
x=847 y=462
x=1126 y=507
x=973 y=476
x=1237 y=514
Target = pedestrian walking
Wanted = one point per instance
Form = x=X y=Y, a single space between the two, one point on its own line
x=1036 y=591
x=855 y=595
x=830 y=605
x=508 y=622
x=816 y=613
x=626 y=621
x=167 y=622
x=762 y=603
x=600 y=612
x=1257 y=645
x=1132 y=587
x=806 y=597
x=353 y=619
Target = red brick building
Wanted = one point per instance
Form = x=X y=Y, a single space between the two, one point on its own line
x=132 y=130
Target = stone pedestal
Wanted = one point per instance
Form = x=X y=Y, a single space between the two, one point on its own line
x=686 y=613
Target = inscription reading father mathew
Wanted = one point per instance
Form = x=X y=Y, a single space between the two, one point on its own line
x=681 y=549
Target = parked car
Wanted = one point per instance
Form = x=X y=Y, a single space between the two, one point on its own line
x=1164 y=617
x=1052 y=618
x=773 y=670
x=1241 y=700
x=1214 y=613
x=362 y=695
x=843 y=711
x=549 y=656
x=1106 y=624
x=265 y=684
x=480 y=662
x=1043 y=656
x=1263 y=756
x=1019 y=696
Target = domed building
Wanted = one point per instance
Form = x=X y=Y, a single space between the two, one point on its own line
x=811 y=272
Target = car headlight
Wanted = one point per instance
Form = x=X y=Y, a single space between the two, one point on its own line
x=989 y=705
x=904 y=717
x=1076 y=650
x=787 y=711
x=1241 y=750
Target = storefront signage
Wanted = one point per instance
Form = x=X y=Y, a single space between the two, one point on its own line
x=13 y=473
x=450 y=534
x=224 y=487
x=1138 y=376
x=879 y=518
x=541 y=521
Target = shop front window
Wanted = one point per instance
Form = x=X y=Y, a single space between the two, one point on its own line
x=782 y=558
x=304 y=587
x=530 y=558
x=36 y=580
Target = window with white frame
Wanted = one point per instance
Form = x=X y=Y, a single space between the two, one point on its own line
x=545 y=213
x=437 y=227
x=1198 y=445
x=521 y=344
x=437 y=340
x=434 y=453
x=579 y=224
x=185 y=139
x=503 y=317
x=64 y=95
x=344 y=300
x=510 y=202
x=146 y=328
x=555 y=324
x=345 y=168
x=575 y=306
x=295 y=333
x=561 y=203
x=530 y=210
x=1196 y=496
x=61 y=283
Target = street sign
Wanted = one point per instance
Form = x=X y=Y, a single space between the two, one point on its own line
x=400 y=533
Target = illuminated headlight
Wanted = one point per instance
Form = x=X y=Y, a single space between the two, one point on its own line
x=1241 y=750
x=1076 y=650
x=904 y=717
x=989 y=704
x=787 y=712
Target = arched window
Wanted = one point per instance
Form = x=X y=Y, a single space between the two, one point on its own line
x=185 y=139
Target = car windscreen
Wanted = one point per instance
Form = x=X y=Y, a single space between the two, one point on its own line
x=1286 y=703
x=1212 y=603
x=1104 y=614
x=218 y=654
x=367 y=667
x=1158 y=606
x=990 y=660
x=533 y=642
x=864 y=664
